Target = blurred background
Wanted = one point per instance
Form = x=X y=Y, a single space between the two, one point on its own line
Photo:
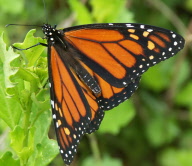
x=153 y=128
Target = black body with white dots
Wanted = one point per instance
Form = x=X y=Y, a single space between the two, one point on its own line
x=96 y=67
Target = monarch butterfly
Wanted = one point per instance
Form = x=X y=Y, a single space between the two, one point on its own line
x=96 y=67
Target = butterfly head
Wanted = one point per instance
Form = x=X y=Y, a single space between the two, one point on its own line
x=50 y=32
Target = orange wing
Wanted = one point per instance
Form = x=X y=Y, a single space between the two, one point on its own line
x=71 y=111
x=119 y=53
x=76 y=108
x=95 y=67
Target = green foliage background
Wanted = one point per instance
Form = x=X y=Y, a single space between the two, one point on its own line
x=153 y=128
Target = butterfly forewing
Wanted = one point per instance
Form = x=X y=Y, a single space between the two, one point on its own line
x=121 y=52
x=71 y=112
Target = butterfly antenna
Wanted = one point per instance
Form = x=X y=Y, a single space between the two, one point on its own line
x=45 y=9
x=23 y=25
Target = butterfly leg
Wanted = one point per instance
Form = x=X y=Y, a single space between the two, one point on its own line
x=20 y=49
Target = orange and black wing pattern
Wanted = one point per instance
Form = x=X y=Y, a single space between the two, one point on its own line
x=121 y=52
x=95 y=67
x=76 y=109
x=73 y=107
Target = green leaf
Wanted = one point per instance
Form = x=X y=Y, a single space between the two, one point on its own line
x=108 y=10
x=82 y=14
x=8 y=160
x=45 y=152
x=184 y=96
x=8 y=6
x=11 y=110
x=45 y=148
x=29 y=76
x=125 y=16
x=17 y=144
x=183 y=74
x=116 y=118
x=22 y=148
x=161 y=131
x=106 y=161
x=36 y=117
x=155 y=104
x=185 y=141
x=40 y=117
x=176 y=157
x=188 y=5
x=158 y=77
x=6 y=59
x=32 y=54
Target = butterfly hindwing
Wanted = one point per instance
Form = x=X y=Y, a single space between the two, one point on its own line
x=111 y=98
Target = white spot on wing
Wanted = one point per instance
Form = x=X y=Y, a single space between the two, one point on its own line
x=170 y=49
x=175 y=43
x=52 y=103
x=57 y=125
x=54 y=116
x=129 y=25
x=149 y=30
x=174 y=35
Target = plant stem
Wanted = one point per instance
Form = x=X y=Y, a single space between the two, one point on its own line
x=95 y=148
x=26 y=124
